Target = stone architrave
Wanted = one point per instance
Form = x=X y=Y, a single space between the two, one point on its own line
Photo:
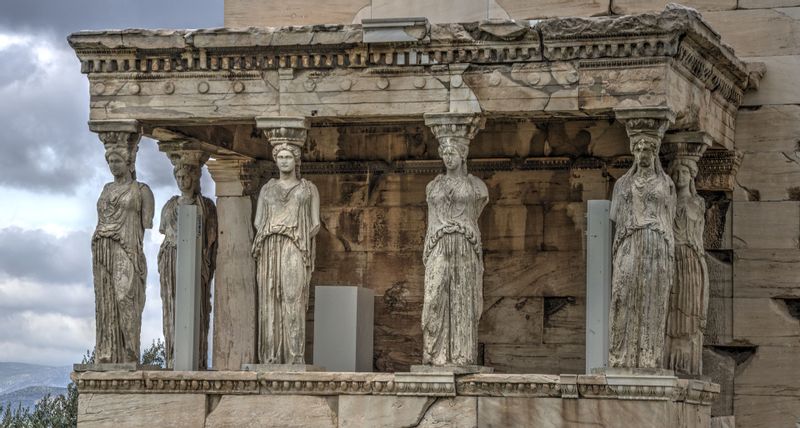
x=188 y=167
x=688 y=303
x=124 y=210
x=286 y=221
x=643 y=209
x=452 y=256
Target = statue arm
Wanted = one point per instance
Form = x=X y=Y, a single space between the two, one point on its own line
x=212 y=227
x=148 y=206
x=615 y=196
x=483 y=194
x=162 y=227
x=315 y=223
x=261 y=208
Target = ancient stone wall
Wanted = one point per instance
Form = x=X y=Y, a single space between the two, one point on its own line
x=534 y=287
x=534 y=284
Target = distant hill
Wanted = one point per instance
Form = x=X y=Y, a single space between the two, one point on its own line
x=28 y=397
x=16 y=376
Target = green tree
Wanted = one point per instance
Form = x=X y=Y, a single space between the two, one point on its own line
x=155 y=355
x=61 y=411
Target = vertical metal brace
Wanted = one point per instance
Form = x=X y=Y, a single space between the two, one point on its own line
x=598 y=282
x=187 y=299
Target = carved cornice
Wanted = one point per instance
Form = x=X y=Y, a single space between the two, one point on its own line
x=645 y=388
x=620 y=41
x=694 y=63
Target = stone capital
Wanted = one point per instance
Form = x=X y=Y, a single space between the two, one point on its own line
x=284 y=129
x=236 y=176
x=120 y=137
x=685 y=146
x=123 y=133
x=459 y=128
x=183 y=153
x=647 y=122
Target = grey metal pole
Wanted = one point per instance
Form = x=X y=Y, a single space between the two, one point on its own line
x=598 y=282
x=187 y=299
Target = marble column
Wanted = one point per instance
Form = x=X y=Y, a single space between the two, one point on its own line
x=643 y=210
x=234 y=335
x=453 y=256
x=124 y=211
x=688 y=303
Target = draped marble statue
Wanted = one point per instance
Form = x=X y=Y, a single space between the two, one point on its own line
x=124 y=211
x=286 y=222
x=643 y=209
x=452 y=254
x=688 y=302
x=187 y=170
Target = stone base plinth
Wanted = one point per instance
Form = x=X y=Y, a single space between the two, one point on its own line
x=470 y=369
x=328 y=399
x=282 y=368
x=113 y=367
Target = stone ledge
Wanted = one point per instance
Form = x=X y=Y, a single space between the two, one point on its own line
x=595 y=386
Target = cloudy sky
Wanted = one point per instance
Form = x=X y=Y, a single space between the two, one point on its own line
x=52 y=171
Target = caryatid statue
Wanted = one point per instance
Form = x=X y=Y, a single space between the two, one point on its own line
x=643 y=209
x=124 y=211
x=452 y=256
x=688 y=304
x=188 y=166
x=286 y=222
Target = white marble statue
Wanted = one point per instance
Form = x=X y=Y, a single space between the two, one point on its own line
x=187 y=171
x=688 y=305
x=643 y=209
x=453 y=261
x=124 y=211
x=286 y=221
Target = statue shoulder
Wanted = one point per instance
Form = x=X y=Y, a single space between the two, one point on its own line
x=267 y=185
x=433 y=183
x=478 y=185
x=309 y=184
x=207 y=201
x=145 y=189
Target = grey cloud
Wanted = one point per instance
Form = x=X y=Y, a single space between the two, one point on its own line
x=17 y=65
x=40 y=256
x=46 y=144
x=63 y=17
x=153 y=167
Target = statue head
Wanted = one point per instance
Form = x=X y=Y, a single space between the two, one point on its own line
x=645 y=150
x=187 y=176
x=121 y=148
x=454 y=154
x=683 y=172
x=187 y=169
x=287 y=158
x=118 y=163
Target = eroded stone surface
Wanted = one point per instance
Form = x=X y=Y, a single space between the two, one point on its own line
x=269 y=410
x=141 y=410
